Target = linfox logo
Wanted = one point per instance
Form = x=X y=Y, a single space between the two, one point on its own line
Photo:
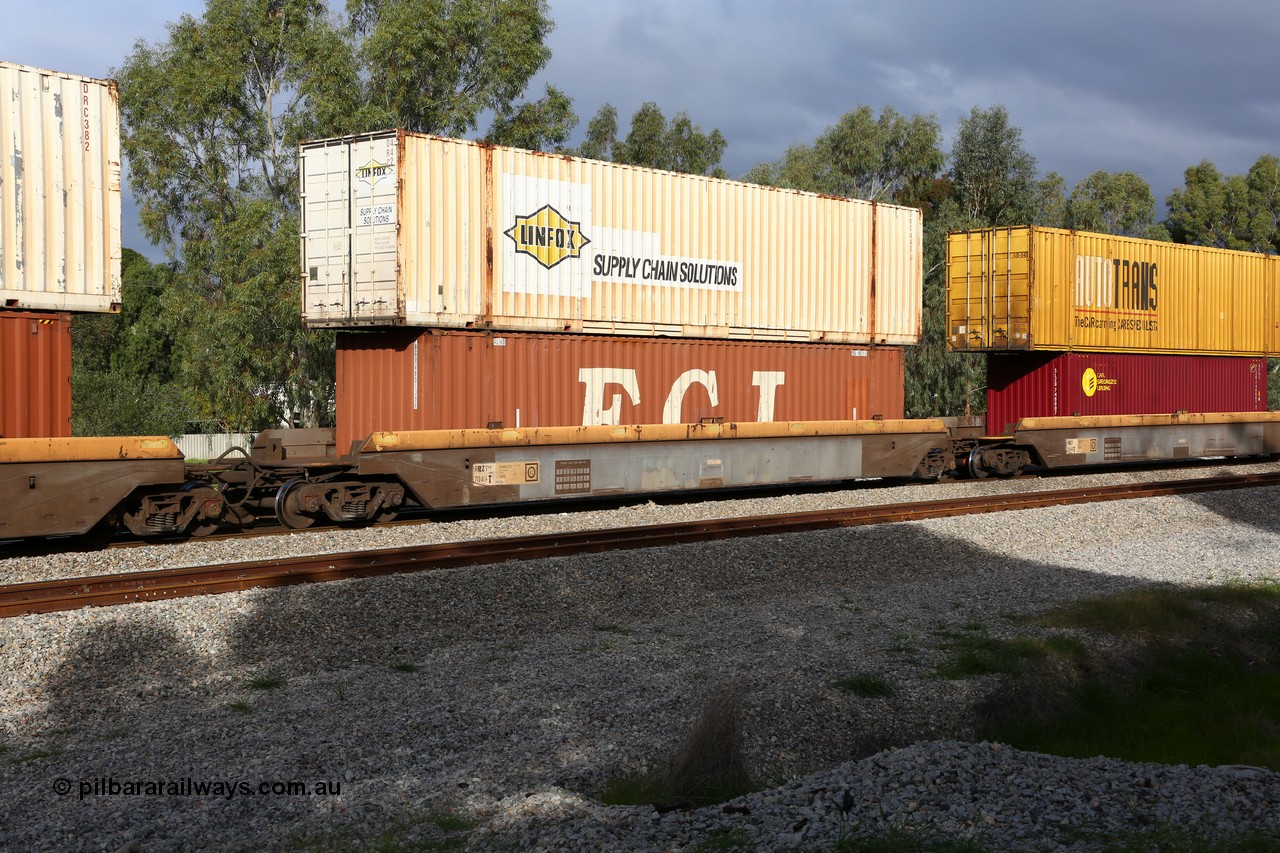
x=373 y=171
x=547 y=236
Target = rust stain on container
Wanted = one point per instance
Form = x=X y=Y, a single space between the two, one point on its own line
x=35 y=382
x=1042 y=385
x=413 y=379
x=1032 y=288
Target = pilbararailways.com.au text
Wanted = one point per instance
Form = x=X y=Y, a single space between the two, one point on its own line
x=109 y=786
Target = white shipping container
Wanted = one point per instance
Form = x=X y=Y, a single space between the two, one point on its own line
x=408 y=229
x=60 y=189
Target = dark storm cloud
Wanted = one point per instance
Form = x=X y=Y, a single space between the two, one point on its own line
x=1148 y=87
x=1152 y=88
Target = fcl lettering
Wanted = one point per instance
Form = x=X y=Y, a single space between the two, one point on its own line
x=602 y=405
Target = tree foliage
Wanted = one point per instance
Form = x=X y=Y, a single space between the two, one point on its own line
x=1051 y=202
x=677 y=145
x=940 y=383
x=434 y=66
x=994 y=175
x=211 y=120
x=1230 y=212
x=122 y=380
x=890 y=157
x=1118 y=203
x=542 y=125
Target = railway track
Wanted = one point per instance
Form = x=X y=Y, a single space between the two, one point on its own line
x=101 y=590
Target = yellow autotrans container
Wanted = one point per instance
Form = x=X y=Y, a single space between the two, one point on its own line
x=1032 y=288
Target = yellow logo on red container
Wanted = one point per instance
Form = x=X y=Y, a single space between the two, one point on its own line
x=547 y=236
x=1093 y=382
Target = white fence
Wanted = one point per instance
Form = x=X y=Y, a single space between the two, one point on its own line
x=212 y=446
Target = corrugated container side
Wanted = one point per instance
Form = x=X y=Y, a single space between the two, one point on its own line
x=35 y=383
x=1036 y=384
x=60 y=191
x=1032 y=288
x=491 y=237
x=406 y=379
x=897 y=254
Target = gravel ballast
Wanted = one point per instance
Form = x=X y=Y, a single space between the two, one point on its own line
x=487 y=706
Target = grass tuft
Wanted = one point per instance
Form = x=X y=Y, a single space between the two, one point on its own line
x=708 y=768
x=35 y=755
x=264 y=681
x=1189 y=676
x=430 y=832
x=905 y=840
x=866 y=684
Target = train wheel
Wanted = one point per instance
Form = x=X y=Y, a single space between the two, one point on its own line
x=977 y=470
x=288 y=511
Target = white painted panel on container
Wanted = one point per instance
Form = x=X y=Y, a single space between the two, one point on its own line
x=547 y=244
x=59 y=191
x=374 y=199
x=350 y=220
x=326 y=294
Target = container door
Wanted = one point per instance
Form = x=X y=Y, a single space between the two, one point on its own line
x=349 y=216
x=988 y=281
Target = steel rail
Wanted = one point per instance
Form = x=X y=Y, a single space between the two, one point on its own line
x=101 y=590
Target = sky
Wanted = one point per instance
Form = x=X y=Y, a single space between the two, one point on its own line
x=1116 y=86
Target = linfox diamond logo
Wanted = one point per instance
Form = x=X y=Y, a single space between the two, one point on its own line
x=373 y=171
x=547 y=237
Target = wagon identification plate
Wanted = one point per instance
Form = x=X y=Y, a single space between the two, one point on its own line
x=573 y=476
x=505 y=473
x=1082 y=445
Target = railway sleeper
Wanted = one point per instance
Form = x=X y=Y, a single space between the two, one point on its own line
x=174 y=512
x=300 y=504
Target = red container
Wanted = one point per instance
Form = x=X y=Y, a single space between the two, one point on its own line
x=35 y=374
x=406 y=379
x=1022 y=385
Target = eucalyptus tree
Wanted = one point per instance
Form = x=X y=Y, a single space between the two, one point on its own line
x=542 y=125
x=1118 y=203
x=995 y=177
x=940 y=383
x=1051 y=202
x=1211 y=209
x=1229 y=211
x=211 y=120
x=122 y=380
x=889 y=157
x=653 y=140
x=435 y=66
x=1263 y=218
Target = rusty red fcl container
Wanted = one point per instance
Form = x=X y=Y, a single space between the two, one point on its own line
x=35 y=382
x=406 y=379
